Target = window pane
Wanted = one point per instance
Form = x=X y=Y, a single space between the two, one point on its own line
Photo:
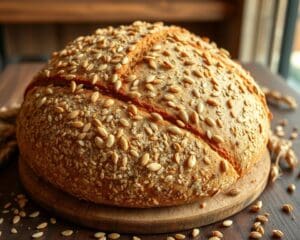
x=294 y=73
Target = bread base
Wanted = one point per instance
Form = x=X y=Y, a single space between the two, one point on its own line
x=151 y=220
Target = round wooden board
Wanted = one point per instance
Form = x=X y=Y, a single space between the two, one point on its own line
x=151 y=220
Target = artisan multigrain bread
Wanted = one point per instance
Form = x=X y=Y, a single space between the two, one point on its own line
x=142 y=115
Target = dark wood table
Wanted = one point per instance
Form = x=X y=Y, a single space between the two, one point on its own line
x=12 y=83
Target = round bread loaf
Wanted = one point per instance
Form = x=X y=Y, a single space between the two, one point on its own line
x=143 y=115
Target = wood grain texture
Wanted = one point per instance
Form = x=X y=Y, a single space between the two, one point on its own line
x=12 y=83
x=150 y=220
x=29 y=11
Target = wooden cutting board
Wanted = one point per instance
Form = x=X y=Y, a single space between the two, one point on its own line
x=146 y=221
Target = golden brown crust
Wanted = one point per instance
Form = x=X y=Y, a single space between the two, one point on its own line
x=157 y=77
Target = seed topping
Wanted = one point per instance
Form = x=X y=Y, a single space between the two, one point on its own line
x=132 y=109
x=98 y=142
x=212 y=102
x=217 y=139
x=124 y=143
x=95 y=97
x=183 y=116
x=73 y=114
x=209 y=121
x=154 y=167
x=233 y=192
x=175 y=130
x=110 y=141
x=156 y=117
x=102 y=132
x=145 y=159
x=77 y=124
x=124 y=122
x=73 y=86
x=223 y=166
x=108 y=103
x=191 y=161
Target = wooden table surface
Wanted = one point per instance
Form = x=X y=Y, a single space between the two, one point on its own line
x=12 y=83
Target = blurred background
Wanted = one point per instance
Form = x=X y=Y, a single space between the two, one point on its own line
x=262 y=31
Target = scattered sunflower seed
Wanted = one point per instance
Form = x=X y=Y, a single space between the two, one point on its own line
x=16 y=219
x=114 y=236
x=227 y=223
x=256 y=207
x=274 y=173
x=37 y=235
x=34 y=214
x=294 y=135
x=214 y=238
x=136 y=238
x=287 y=208
x=42 y=225
x=255 y=235
x=260 y=229
x=67 y=233
x=291 y=188
x=99 y=234
x=7 y=205
x=262 y=218
x=256 y=225
x=217 y=233
x=279 y=100
x=22 y=214
x=195 y=232
x=52 y=220
x=170 y=238
x=277 y=233
x=179 y=236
